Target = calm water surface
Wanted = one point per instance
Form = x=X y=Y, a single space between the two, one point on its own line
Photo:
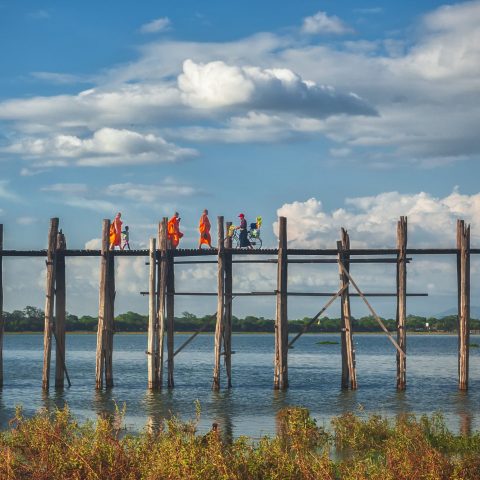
x=249 y=408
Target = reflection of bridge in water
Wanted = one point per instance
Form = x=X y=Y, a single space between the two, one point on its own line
x=162 y=292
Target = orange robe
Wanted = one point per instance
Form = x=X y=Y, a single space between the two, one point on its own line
x=204 y=228
x=116 y=232
x=174 y=233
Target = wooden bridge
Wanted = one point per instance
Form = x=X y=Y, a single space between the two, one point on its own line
x=162 y=292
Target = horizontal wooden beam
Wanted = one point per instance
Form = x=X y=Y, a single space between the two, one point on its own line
x=293 y=294
x=235 y=251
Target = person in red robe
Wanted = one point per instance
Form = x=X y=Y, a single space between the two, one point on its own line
x=174 y=233
x=204 y=229
x=116 y=231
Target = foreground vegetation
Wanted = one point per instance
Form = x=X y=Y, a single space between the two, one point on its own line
x=54 y=446
x=31 y=319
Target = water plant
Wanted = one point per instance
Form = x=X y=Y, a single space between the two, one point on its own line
x=54 y=446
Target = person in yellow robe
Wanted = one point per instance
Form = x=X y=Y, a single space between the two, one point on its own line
x=116 y=232
x=204 y=229
x=174 y=233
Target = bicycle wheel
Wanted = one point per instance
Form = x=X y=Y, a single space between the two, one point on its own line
x=256 y=242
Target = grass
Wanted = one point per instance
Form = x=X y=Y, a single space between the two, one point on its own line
x=54 y=446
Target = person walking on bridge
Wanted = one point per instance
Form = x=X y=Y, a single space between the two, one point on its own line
x=115 y=233
x=204 y=229
x=174 y=233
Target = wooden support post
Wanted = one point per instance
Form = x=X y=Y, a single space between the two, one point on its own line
x=227 y=336
x=110 y=321
x=2 y=321
x=49 y=302
x=220 y=304
x=280 y=378
x=463 y=262
x=161 y=300
x=103 y=305
x=152 y=316
x=170 y=317
x=60 y=311
x=402 y=303
x=349 y=375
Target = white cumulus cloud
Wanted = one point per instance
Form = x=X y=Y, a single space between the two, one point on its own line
x=217 y=84
x=371 y=221
x=158 y=25
x=106 y=147
x=321 y=23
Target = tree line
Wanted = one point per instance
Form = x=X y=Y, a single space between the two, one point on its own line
x=31 y=319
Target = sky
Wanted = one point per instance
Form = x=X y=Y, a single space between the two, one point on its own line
x=333 y=114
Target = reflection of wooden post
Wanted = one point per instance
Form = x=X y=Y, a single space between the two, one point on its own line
x=152 y=316
x=280 y=378
x=102 y=306
x=220 y=305
x=162 y=289
x=227 y=337
x=402 y=303
x=49 y=302
x=170 y=316
x=60 y=311
x=2 y=321
x=349 y=376
x=463 y=263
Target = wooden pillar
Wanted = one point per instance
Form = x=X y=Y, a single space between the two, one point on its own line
x=152 y=316
x=463 y=265
x=227 y=336
x=102 y=306
x=280 y=378
x=161 y=300
x=60 y=311
x=2 y=321
x=49 y=302
x=349 y=375
x=402 y=303
x=220 y=304
x=170 y=316
x=110 y=321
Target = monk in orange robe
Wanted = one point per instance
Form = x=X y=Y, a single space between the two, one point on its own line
x=204 y=229
x=116 y=232
x=174 y=233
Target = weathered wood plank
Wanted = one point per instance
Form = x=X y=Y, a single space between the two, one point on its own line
x=152 y=316
x=280 y=376
x=227 y=337
x=162 y=293
x=349 y=376
x=402 y=303
x=102 y=307
x=49 y=302
x=463 y=245
x=60 y=312
x=220 y=304
x=170 y=318
x=2 y=320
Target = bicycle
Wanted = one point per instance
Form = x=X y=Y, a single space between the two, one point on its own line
x=253 y=236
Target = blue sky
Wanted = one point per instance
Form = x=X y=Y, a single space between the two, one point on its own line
x=331 y=113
